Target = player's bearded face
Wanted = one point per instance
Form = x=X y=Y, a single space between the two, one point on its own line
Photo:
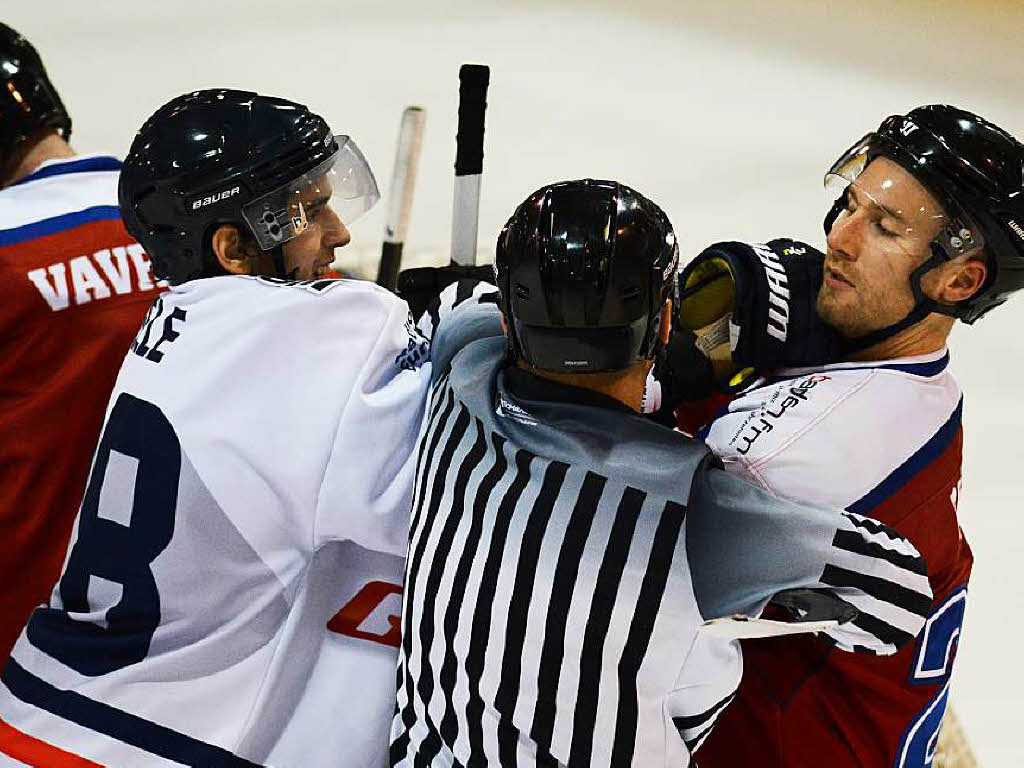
x=875 y=244
x=310 y=254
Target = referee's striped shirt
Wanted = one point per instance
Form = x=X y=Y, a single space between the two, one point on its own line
x=550 y=613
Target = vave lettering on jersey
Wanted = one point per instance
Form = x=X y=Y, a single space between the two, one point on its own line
x=79 y=280
x=170 y=330
x=369 y=603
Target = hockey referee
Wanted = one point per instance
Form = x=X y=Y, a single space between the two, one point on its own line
x=565 y=551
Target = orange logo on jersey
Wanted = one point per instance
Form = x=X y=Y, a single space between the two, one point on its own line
x=368 y=602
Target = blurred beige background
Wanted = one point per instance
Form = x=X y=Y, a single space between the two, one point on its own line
x=726 y=113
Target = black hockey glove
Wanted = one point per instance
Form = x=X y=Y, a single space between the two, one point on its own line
x=422 y=285
x=753 y=305
x=685 y=374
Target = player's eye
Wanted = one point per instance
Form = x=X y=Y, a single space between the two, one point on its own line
x=882 y=229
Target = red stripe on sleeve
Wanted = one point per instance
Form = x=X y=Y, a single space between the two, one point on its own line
x=31 y=751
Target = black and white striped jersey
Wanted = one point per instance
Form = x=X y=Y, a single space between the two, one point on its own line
x=564 y=552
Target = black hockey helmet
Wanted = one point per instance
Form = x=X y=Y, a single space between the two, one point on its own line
x=233 y=157
x=584 y=268
x=976 y=171
x=28 y=101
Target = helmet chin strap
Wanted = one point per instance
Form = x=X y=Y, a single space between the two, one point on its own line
x=923 y=306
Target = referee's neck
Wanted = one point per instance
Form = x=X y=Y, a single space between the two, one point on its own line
x=626 y=385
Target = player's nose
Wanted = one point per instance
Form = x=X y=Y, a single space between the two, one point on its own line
x=844 y=238
x=336 y=234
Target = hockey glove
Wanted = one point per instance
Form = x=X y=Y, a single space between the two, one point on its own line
x=684 y=372
x=422 y=285
x=753 y=306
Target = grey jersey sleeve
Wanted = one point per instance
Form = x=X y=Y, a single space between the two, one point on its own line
x=745 y=545
x=465 y=311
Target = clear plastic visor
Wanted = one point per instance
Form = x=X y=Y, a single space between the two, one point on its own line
x=893 y=205
x=337 y=191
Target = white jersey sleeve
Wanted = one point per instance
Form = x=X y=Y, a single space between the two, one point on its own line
x=370 y=467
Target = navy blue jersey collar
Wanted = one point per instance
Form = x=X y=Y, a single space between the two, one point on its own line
x=925 y=366
x=72 y=165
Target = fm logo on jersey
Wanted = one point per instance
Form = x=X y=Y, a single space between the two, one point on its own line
x=764 y=420
x=112 y=271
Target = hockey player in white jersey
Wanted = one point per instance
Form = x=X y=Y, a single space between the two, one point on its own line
x=564 y=550
x=231 y=592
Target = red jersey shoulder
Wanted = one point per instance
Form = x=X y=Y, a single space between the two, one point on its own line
x=88 y=261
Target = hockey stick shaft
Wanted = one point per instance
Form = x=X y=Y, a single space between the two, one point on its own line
x=469 y=162
x=403 y=185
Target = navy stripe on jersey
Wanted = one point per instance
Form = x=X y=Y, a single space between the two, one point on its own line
x=924 y=456
x=57 y=224
x=925 y=370
x=83 y=165
x=117 y=724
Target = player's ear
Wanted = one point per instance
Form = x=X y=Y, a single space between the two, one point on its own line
x=229 y=249
x=666 y=322
x=966 y=279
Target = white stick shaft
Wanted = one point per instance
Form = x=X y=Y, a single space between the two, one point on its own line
x=403 y=179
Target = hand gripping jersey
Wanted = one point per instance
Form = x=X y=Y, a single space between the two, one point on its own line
x=882 y=440
x=232 y=589
x=74 y=288
x=563 y=553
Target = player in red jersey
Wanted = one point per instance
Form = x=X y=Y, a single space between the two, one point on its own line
x=927 y=229
x=74 y=288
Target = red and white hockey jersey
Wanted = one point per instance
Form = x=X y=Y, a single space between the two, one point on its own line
x=232 y=589
x=882 y=440
x=75 y=287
